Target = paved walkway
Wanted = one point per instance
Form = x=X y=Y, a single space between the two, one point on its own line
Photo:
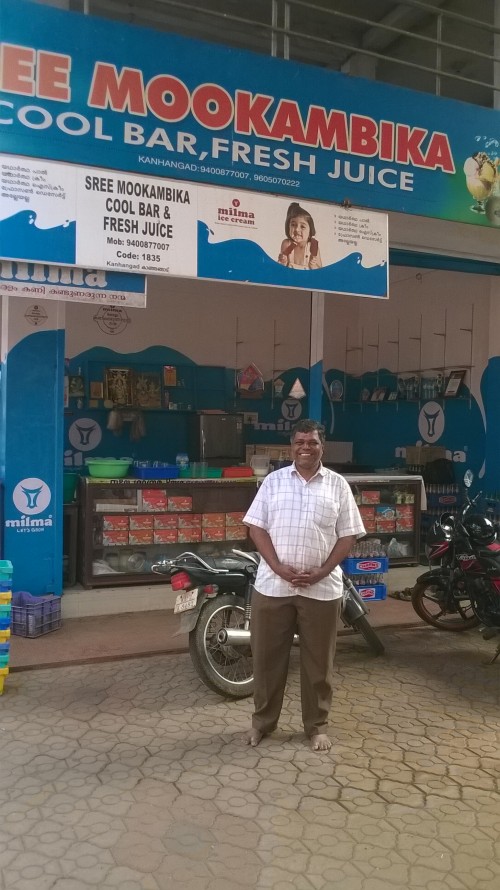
x=131 y=775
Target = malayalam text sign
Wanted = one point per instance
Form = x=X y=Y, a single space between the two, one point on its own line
x=104 y=219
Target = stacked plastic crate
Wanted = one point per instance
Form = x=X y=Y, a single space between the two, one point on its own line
x=367 y=574
x=5 y=615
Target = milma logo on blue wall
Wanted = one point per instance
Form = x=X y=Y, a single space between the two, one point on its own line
x=31 y=497
x=431 y=422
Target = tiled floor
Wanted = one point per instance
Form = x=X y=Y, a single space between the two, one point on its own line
x=131 y=775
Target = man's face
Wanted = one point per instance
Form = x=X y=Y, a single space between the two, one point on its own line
x=307 y=450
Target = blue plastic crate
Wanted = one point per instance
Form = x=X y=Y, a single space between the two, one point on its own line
x=6 y=571
x=443 y=501
x=169 y=471
x=372 y=565
x=35 y=619
x=373 y=592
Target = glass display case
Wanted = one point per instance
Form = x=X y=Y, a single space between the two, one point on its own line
x=126 y=525
x=390 y=507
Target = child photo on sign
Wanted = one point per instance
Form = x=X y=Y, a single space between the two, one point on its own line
x=300 y=249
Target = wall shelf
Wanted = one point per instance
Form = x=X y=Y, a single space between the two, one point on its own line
x=372 y=380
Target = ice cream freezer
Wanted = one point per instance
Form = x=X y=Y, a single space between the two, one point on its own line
x=390 y=507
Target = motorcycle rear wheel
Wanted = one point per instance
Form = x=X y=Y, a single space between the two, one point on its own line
x=431 y=602
x=225 y=669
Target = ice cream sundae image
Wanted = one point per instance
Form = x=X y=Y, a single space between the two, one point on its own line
x=480 y=175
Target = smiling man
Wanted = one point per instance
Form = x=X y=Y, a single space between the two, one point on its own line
x=303 y=521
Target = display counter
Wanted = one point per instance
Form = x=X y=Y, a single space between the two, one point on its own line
x=390 y=507
x=126 y=525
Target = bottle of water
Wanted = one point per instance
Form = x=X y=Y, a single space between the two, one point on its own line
x=182 y=460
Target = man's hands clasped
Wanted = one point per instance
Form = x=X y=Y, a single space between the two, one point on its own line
x=300 y=579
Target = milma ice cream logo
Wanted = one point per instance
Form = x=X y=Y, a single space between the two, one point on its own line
x=30 y=496
x=235 y=213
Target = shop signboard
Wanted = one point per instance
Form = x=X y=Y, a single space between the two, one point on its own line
x=72 y=285
x=68 y=215
x=93 y=91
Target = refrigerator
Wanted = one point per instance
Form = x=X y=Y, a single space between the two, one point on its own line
x=216 y=438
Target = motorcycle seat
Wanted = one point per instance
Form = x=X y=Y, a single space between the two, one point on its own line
x=233 y=563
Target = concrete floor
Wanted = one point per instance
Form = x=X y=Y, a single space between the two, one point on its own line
x=131 y=775
x=148 y=631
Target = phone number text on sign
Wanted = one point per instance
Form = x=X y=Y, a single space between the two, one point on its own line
x=136 y=223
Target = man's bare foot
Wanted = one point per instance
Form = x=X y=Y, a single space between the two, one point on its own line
x=253 y=737
x=320 y=742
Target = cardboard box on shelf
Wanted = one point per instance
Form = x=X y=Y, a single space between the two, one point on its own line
x=115 y=522
x=236 y=532
x=154 y=499
x=235 y=517
x=370 y=526
x=165 y=536
x=188 y=535
x=385 y=511
x=419 y=455
x=189 y=520
x=115 y=538
x=180 y=504
x=370 y=496
x=213 y=520
x=385 y=525
x=273 y=452
x=140 y=521
x=141 y=536
x=405 y=524
x=165 y=520
x=366 y=511
x=403 y=511
x=213 y=534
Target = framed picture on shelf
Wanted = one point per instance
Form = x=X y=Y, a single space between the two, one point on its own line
x=454 y=383
x=76 y=386
x=118 y=386
x=392 y=396
x=96 y=389
x=336 y=390
x=169 y=375
x=365 y=394
x=147 y=390
x=378 y=394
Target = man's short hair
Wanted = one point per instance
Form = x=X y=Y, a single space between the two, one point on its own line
x=308 y=426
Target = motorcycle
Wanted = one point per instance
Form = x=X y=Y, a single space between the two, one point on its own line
x=462 y=588
x=215 y=604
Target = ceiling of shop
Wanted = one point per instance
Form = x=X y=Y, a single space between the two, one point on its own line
x=445 y=47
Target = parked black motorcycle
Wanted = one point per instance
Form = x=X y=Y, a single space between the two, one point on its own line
x=215 y=608
x=462 y=588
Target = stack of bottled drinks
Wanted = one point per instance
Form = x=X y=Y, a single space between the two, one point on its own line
x=367 y=564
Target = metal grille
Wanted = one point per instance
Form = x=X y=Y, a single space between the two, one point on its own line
x=449 y=48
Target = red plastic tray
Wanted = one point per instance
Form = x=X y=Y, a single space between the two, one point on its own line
x=236 y=472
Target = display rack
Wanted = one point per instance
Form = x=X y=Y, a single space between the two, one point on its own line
x=127 y=525
x=390 y=507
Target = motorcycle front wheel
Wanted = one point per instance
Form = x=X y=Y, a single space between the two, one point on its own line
x=435 y=604
x=225 y=669
x=366 y=630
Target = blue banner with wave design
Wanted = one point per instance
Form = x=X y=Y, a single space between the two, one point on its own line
x=125 y=222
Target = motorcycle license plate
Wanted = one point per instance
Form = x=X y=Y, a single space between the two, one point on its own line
x=186 y=601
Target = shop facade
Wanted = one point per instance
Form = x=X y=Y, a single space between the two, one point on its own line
x=349 y=354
